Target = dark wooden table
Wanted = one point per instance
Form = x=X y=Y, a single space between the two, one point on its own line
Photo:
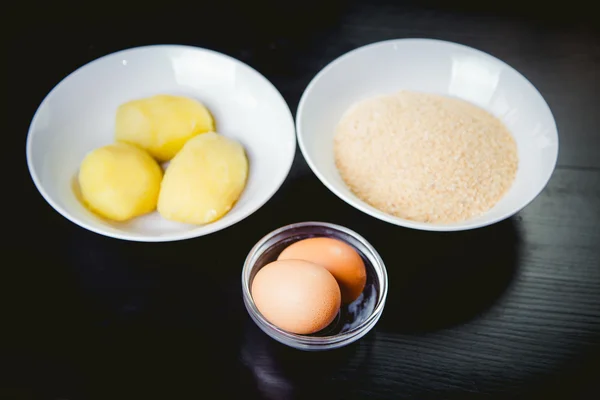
x=508 y=311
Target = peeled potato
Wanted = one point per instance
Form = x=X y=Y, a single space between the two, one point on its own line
x=162 y=124
x=204 y=180
x=120 y=181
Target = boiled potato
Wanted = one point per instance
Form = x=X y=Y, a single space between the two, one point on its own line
x=162 y=124
x=204 y=180
x=120 y=181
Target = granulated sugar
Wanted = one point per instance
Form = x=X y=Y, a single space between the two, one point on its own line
x=425 y=157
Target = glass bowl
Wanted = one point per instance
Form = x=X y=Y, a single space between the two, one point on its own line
x=354 y=320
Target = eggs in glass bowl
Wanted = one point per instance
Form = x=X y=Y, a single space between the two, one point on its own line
x=299 y=284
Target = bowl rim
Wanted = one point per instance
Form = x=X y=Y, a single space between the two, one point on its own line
x=201 y=230
x=366 y=208
x=315 y=343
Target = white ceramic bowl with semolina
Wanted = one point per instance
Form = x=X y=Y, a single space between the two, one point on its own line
x=160 y=143
x=427 y=134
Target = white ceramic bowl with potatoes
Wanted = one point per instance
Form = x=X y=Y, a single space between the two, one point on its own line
x=78 y=116
x=441 y=68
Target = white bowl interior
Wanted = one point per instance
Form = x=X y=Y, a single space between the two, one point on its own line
x=438 y=67
x=79 y=115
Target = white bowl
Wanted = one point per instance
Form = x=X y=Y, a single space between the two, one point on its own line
x=439 y=67
x=78 y=116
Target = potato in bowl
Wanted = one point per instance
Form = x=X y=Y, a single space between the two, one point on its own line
x=79 y=115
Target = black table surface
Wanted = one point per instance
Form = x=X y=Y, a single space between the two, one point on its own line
x=507 y=311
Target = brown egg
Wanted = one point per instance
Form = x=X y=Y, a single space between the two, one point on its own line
x=296 y=296
x=344 y=263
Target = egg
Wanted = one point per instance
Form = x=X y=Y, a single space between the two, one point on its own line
x=296 y=296
x=339 y=258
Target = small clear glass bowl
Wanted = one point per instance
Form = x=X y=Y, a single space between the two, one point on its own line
x=354 y=320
